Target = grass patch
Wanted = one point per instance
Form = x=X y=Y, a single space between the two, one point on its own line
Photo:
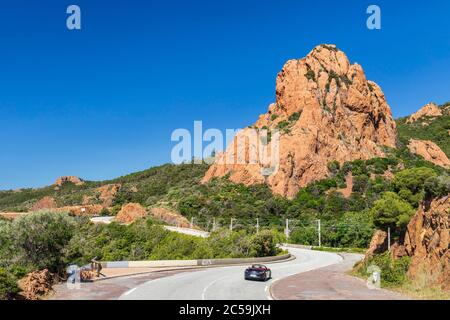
x=344 y=250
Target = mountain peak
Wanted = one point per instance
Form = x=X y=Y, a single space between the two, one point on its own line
x=325 y=110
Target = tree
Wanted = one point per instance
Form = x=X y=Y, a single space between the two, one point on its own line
x=391 y=211
x=38 y=239
x=413 y=179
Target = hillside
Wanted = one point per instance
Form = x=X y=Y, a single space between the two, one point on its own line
x=145 y=187
x=433 y=128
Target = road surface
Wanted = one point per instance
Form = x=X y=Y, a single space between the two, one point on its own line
x=227 y=283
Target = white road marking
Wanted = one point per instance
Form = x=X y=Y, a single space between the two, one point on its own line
x=209 y=286
x=130 y=291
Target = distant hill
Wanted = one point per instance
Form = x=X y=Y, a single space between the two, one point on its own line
x=146 y=187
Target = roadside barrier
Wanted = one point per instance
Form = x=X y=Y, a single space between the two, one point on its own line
x=192 y=263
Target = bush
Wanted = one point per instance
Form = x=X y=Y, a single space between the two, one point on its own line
x=37 y=240
x=393 y=271
x=264 y=244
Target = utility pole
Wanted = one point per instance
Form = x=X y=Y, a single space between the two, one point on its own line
x=319 y=231
x=257 y=225
x=192 y=222
x=286 y=230
x=389 y=238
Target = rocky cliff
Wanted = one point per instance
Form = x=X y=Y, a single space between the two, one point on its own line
x=325 y=110
x=427 y=241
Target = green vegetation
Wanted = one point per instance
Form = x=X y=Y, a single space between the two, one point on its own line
x=391 y=211
x=52 y=241
x=145 y=240
x=310 y=75
x=285 y=125
x=151 y=185
x=393 y=271
x=8 y=285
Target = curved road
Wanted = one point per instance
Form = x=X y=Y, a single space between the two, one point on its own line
x=227 y=283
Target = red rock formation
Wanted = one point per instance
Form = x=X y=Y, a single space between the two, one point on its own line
x=131 y=212
x=378 y=244
x=75 y=180
x=427 y=241
x=169 y=217
x=326 y=110
x=429 y=151
x=44 y=203
x=429 y=110
x=106 y=194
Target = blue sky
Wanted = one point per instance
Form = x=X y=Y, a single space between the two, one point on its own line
x=103 y=101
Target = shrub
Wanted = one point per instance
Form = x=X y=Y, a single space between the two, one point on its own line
x=38 y=239
x=310 y=75
x=264 y=244
x=393 y=271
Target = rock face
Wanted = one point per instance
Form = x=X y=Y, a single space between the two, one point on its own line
x=427 y=241
x=75 y=180
x=430 y=152
x=44 y=203
x=104 y=194
x=325 y=110
x=131 y=212
x=169 y=217
x=429 y=110
x=378 y=244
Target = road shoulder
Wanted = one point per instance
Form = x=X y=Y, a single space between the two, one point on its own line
x=329 y=283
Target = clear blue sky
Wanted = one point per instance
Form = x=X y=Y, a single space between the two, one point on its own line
x=103 y=101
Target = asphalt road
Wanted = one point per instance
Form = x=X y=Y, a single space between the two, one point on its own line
x=227 y=283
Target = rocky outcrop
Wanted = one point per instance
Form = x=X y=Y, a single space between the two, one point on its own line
x=105 y=195
x=108 y=193
x=378 y=244
x=131 y=212
x=75 y=180
x=325 y=110
x=36 y=284
x=427 y=241
x=429 y=110
x=429 y=151
x=170 y=217
x=44 y=203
